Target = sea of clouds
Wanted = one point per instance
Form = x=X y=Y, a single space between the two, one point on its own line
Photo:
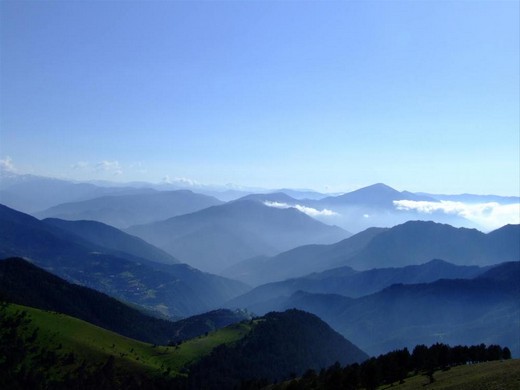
x=489 y=216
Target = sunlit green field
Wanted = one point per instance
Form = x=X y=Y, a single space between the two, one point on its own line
x=496 y=375
x=94 y=344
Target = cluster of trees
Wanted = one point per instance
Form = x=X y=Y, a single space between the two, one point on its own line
x=396 y=366
x=280 y=345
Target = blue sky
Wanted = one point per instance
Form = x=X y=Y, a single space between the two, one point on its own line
x=422 y=96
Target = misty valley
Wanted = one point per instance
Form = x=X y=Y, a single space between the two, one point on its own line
x=150 y=286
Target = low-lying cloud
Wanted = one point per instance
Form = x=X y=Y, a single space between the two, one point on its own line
x=112 y=167
x=304 y=209
x=491 y=215
x=183 y=181
x=7 y=165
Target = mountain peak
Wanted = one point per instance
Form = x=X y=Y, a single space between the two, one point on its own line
x=379 y=186
x=377 y=195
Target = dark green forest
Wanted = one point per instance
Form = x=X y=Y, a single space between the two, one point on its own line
x=394 y=367
x=282 y=345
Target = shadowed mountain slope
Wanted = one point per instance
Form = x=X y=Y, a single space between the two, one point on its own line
x=348 y=282
x=25 y=284
x=176 y=289
x=108 y=237
x=412 y=243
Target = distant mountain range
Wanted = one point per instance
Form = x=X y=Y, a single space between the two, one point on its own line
x=350 y=283
x=400 y=281
x=374 y=205
x=217 y=237
x=123 y=211
x=413 y=242
x=471 y=198
x=30 y=194
x=173 y=289
x=299 y=261
x=485 y=309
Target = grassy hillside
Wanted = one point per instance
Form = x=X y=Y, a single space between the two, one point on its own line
x=494 y=375
x=97 y=343
x=65 y=347
x=503 y=375
x=42 y=349
x=25 y=284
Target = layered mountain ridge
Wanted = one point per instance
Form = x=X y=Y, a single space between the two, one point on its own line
x=220 y=236
x=414 y=242
x=173 y=289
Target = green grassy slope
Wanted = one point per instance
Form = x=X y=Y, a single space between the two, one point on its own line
x=49 y=350
x=94 y=344
x=503 y=375
x=26 y=284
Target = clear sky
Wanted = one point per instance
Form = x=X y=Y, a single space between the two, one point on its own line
x=422 y=96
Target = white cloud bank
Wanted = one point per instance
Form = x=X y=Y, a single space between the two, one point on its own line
x=304 y=209
x=183 y=181
x=112 y=167
x=490 y=215
x=7 y=165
